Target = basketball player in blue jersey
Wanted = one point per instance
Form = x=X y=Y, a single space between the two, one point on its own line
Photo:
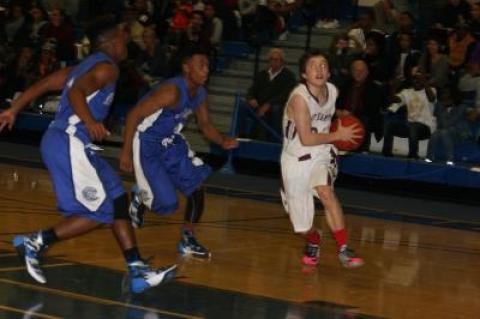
x=89 y=192
x=160 y=156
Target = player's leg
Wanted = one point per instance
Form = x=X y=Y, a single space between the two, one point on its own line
x=336 y=223
x=141 y=275
x=298 y=201
x=188 y=173
x=56 y=152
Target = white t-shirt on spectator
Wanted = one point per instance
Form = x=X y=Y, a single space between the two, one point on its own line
x=419 y=108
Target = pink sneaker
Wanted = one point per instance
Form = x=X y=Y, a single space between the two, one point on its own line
x=311 y=255
x=348 y=259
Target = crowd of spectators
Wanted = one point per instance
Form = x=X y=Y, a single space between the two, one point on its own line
x=391 y=64
x=400 y=75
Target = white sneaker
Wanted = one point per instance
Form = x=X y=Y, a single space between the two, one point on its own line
x=283 y=36
x=320 y=23
x=428 y=160
x=334 y=24
x=450 y=163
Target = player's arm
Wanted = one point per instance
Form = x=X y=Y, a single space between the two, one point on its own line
x=210 y=132
x=98 y=77
x=166 y=95
x=53 y=82
x=302 y=120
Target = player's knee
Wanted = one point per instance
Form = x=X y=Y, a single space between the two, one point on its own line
x=120 y=206
x=325 y=194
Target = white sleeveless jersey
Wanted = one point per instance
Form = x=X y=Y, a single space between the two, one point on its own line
x=321 y=116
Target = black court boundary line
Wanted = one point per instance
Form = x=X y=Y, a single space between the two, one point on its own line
x=307 y=304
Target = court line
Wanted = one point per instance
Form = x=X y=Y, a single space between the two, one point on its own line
x=94 y=299
x=34 y=314
x=371 y=210
x=7 y=269
x=8 y=254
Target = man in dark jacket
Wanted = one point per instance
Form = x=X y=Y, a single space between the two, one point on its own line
x=267 y=96
x=365 y=99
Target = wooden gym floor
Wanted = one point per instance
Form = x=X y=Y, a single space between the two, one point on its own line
x=422 y=259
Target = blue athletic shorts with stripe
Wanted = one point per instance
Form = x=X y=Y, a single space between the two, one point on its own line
x=162 y=167
x=84 y=183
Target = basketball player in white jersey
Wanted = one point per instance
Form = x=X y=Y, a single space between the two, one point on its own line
x=309 y=165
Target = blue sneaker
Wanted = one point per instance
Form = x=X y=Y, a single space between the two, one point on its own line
x=142 y=277
x=137 y=208
x=189 y=246
x=30 y=249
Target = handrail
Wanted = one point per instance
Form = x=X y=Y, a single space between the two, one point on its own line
x=228 y=166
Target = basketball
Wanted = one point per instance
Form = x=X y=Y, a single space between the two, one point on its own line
x=349 y=120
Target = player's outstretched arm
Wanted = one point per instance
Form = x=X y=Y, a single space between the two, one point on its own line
x=302 y=119
x=99 y=76
x=165 y=96
x=53 y=82
x=210 y=132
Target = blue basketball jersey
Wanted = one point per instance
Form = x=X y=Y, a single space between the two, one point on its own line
x=171 y=120
x=98 y=102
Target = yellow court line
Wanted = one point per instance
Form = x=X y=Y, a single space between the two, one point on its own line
x=94 y=299
x=34 y=314
x=43 y=266
x=8 y=254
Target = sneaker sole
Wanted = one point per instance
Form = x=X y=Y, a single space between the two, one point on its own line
x=189 y=253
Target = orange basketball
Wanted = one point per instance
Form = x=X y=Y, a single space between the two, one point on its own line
x=349 y=120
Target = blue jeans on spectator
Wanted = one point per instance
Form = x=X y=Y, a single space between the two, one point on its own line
x=443 y=141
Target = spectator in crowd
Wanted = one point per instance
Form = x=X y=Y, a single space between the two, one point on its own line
x=469 y=84
x=284 y=10
x=388 y=14
x=455 y=11
x=435 y=64
x=452 y=126
x=181 y=16
x=39 y=20
x=154 y=61
x=20 y=72
x=460 y=44
x=419 y=123
x=265 y=24
x=16 y=26
x=475 y=19
x=340 y=58
x=248 y=13
x=144 y=8
x=60 y=29
x=48 y=62
x=402 y=62
x=268 y=94
x=365 y=99
x=213 y=25
x=358 y=33
x=196 y=32
x=329 y=14
x=406 y=24
x=376 y=58
x=133 y=26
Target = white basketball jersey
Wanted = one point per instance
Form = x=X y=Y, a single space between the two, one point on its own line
x=321 y=116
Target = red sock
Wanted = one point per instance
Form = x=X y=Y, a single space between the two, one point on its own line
x=340 y=237
x=313 y=237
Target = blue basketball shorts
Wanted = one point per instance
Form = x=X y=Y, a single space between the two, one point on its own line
x=162 y=168
x=84 y=183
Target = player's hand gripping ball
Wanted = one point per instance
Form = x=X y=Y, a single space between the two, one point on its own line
x=349 y=120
